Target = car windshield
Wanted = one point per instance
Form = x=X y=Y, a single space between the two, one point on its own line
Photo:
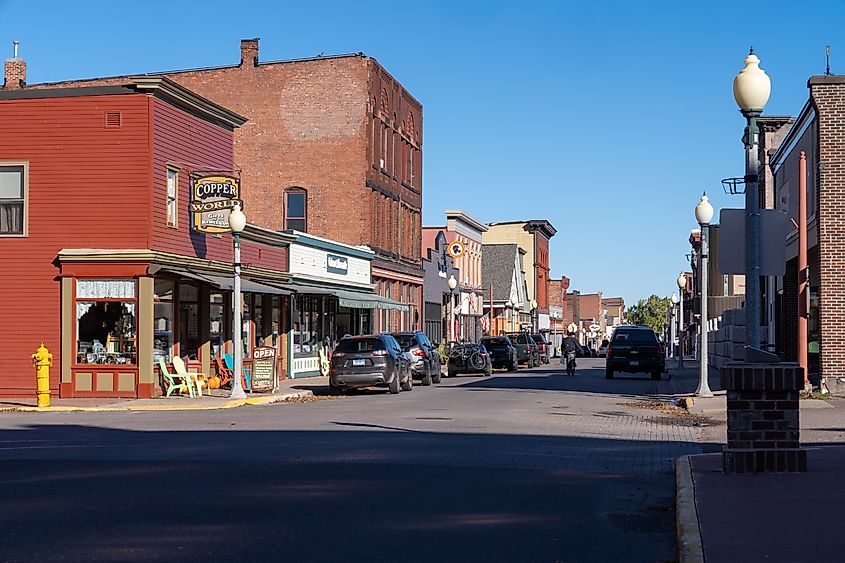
x=406 y=341
x=635 y=337
x=355 y=345
x=538 y=338
x=495 y=342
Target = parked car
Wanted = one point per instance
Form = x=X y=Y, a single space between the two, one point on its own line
x=376 y=360
x=425 y=359
x=542 y=347
x=502 y=352
x=527 y=352
x=635 y=349
x=469 y=357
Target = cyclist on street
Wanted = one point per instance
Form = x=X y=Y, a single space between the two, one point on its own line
x=570 y=345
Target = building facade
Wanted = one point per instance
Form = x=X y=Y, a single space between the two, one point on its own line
x=120 y=279
x=333 y=147
x=438 y=298
x=504 y=280
x=533 y=237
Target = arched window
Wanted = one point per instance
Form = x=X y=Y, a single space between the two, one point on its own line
x=296 y=209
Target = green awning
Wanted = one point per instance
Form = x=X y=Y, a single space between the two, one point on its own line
x=352 y=299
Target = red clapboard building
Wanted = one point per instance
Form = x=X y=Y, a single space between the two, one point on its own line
x=99 y=258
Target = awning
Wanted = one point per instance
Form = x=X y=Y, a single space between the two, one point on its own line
x=352 y=299
x=227 y=282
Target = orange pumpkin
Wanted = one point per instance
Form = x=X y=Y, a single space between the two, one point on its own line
x=214 y=382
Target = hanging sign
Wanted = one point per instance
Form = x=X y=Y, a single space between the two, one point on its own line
x=212 y=198
x=263 y=368
x=456 y=249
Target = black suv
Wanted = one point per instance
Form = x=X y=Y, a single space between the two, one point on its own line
x=502 y=352
x=376 y=360
x=635 y=349
x=425 y=359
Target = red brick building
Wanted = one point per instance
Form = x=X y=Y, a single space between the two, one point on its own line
x=99 y=258
x=333 y=147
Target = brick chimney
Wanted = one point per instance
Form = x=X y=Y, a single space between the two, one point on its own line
x=15 y=72
x=249 y=52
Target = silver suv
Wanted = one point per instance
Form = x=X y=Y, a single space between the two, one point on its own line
x=425 y=359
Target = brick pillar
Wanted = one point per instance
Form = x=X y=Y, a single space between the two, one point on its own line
x=763 y=431
x=14 y=74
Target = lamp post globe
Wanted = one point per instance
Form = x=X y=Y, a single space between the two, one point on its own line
x=237 y=219
x=704 y=211
x=682 y=284
x=682 y=281
x=533 y=303
x=674 y=299
x=453 y=283
x=752 y=86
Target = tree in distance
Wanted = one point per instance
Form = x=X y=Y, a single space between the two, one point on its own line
x=649 y=312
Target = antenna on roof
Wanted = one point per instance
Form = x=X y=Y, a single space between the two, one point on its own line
x=827 y=60
x=15 y=45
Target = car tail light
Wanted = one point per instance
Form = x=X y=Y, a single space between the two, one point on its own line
x=418 y=352
x=609 y=352
x=379 y=352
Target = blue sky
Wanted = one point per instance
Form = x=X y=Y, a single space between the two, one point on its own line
x=607 y=118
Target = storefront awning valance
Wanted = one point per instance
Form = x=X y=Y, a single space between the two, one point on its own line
x=227 y=282
x=352 y=299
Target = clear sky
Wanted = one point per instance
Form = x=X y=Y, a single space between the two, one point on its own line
x=606 y=118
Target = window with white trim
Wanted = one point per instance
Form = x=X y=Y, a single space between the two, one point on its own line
x=172 y=198
x=12 y=208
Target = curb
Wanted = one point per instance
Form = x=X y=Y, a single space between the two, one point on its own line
x=254 y=401
x=687 y=531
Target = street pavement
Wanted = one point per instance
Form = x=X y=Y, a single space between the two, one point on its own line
x=526 y=466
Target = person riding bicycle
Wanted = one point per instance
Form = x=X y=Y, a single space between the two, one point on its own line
x=570 y=346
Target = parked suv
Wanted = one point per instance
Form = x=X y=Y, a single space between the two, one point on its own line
x=369 y=361
x=526 y=349
x=425 y=360
x=635 y=349
x=542 y=347
x=502 y=352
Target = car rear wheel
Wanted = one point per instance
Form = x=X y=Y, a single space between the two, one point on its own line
x=488 y=372
x=393 y=386
x=426 y=380
x=334 y=390
x=436 y=377
x=408 y=385
x=608 y=373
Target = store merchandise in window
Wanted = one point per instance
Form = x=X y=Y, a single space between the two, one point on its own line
x=189 y=312
x=163 y=320
x=106 y=322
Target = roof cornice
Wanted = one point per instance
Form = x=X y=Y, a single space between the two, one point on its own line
x=174 y=93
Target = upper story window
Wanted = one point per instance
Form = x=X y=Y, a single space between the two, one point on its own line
x=12 y=199
x=296 y=203
x=172 y=197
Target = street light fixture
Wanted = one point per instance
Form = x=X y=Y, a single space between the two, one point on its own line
x=682 y=284
x=536 y=315
x=751 y=89
x=237 y=222
x=703 y=214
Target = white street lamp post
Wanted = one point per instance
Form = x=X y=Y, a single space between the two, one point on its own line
x=682 y=284
x=703 y=214
x=752 y=88
x=453 y=283
x=536 y=315
x=674 y=300
x=237 y=222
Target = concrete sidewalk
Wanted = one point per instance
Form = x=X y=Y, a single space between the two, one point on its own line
x=766 y=517
x=212 y=399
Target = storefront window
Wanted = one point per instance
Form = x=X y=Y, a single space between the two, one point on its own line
x=162 y=320
x=258 y=303
x=216 y=330
x=246 y=330
x=189 y=312
x=275 y=324
x=306 y=327
x=105 y=322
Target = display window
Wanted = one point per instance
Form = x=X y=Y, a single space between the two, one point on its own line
x=306 y=326
x=189 y=326
x=106 y=317
x=163 y=320
x=217 y=328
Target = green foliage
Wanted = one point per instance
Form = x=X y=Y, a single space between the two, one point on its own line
x=649 y=312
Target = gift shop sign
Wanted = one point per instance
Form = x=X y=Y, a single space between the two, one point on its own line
x=263 y=368
x=212 y=198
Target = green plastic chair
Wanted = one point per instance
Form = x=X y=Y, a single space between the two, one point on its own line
x=174 y=381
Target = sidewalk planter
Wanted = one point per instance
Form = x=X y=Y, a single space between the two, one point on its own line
x=763 y=410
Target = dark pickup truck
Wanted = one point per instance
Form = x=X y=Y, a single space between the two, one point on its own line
x=635 y=349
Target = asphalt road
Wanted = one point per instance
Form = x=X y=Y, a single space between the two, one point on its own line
x=532 y=466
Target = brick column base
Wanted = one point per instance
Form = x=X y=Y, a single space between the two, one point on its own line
x=763 y=429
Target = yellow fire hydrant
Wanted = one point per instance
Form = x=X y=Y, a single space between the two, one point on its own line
x=42 y=359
